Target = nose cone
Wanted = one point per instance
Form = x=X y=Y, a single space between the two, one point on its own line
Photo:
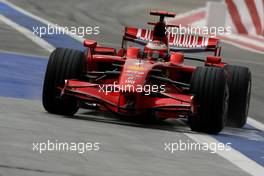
x=133 y=75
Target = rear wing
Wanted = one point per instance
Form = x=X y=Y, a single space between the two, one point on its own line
x=176 y=42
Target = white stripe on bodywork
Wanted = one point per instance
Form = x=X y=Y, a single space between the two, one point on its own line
x=205 y=41
x=149 y=36
x=186 y=40
x=190 y=41
x=139 y=31
x=177 y=39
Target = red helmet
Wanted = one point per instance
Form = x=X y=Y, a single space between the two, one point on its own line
x=156 y=50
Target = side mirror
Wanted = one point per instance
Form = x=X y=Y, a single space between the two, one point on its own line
x=213 y=60
x=132 y=52
x=89 y=43
x=177 y=58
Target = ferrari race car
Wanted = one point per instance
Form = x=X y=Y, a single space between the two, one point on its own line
x=147 y=77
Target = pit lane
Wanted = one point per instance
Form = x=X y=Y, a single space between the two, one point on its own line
x=128 y=148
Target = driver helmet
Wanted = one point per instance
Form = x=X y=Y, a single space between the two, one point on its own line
x=156 y=50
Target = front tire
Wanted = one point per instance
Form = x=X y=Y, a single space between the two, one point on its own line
x=63 y=64
x=210 y=89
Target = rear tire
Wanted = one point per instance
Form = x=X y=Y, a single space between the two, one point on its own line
x=210 y=89
x=63 y=64
x=239 y=90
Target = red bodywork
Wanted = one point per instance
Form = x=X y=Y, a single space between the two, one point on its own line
x=109 y=73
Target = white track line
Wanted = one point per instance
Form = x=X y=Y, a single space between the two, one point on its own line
x=233 y=156
x=256 y=124
x=39 y=41
x=22 y=54
x=76 y=37
x=44 y=21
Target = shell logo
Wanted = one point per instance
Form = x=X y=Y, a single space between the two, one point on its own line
x=134 y=67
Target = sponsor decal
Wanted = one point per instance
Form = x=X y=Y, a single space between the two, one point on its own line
x=137 y=68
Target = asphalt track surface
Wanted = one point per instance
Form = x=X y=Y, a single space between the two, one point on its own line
x=127 y=148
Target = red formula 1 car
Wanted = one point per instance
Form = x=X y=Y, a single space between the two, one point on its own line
x=147 y=77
